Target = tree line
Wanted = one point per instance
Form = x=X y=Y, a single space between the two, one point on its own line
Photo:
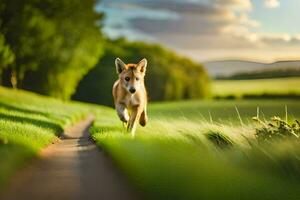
x=168 y=77
x=282 y=72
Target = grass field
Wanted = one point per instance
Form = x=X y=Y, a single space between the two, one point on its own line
x=257 y=87
x=189 y=150
x=29 y=122
x=187 y=153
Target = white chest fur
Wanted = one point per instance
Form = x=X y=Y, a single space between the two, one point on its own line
x=131 y=100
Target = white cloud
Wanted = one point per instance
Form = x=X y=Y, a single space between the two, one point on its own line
x=272 y=3
x=236 y=4
x=244 y=20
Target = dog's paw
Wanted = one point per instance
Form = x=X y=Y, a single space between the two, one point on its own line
x=124 y=119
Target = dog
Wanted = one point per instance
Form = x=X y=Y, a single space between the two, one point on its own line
x=130 y=95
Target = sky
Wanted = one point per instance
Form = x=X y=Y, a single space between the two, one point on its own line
x=206 y=30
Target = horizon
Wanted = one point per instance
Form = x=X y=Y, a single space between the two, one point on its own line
x=252 y=60
x=210 y=30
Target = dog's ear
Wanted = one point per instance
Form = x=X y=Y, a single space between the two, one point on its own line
x=120 y=65
x=142 y=65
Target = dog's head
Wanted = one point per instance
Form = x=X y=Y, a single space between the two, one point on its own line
x=131 y=75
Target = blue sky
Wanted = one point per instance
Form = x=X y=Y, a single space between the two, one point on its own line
x=265 y=30
x=283 y=19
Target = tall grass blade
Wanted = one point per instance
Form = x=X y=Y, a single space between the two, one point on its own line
x=286 y=114
x=210 y=117
x=240 y=118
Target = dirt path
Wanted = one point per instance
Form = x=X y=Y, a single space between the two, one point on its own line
x=73 y=168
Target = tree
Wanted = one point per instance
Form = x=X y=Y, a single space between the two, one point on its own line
x=55 y=42
x=6 y=56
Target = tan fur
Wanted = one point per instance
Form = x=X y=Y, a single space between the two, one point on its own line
x=127 y=102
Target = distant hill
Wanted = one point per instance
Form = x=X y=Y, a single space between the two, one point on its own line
x=230 y=67
x=263 y=74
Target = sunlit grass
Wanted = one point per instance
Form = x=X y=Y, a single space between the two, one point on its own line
x=186 y=153
x=238 y=88
x=29 y=122
x=224 y=111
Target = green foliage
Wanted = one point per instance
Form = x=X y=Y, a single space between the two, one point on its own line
x=55 y=43
x=6 y=55
x=168 y=77
x=277 y=129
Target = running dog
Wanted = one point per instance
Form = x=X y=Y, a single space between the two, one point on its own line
x=130 y=96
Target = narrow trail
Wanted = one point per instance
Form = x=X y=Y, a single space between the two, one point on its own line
x=74 y=168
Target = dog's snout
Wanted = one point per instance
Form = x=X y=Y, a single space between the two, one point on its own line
x=132 y=90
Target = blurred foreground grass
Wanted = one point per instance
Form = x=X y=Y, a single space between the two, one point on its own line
x=186 y=153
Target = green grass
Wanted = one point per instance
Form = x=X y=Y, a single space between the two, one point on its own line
x=239 y=88
x=189 y=150
x=29 y=122
x=187 y=153
x=224 y=111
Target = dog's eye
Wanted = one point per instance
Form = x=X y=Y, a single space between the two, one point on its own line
x=127 y=78
x=137 y=79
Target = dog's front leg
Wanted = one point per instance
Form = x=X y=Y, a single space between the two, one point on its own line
x=134 y=118
x=122 y=112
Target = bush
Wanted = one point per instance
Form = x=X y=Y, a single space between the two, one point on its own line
x=276 y=129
